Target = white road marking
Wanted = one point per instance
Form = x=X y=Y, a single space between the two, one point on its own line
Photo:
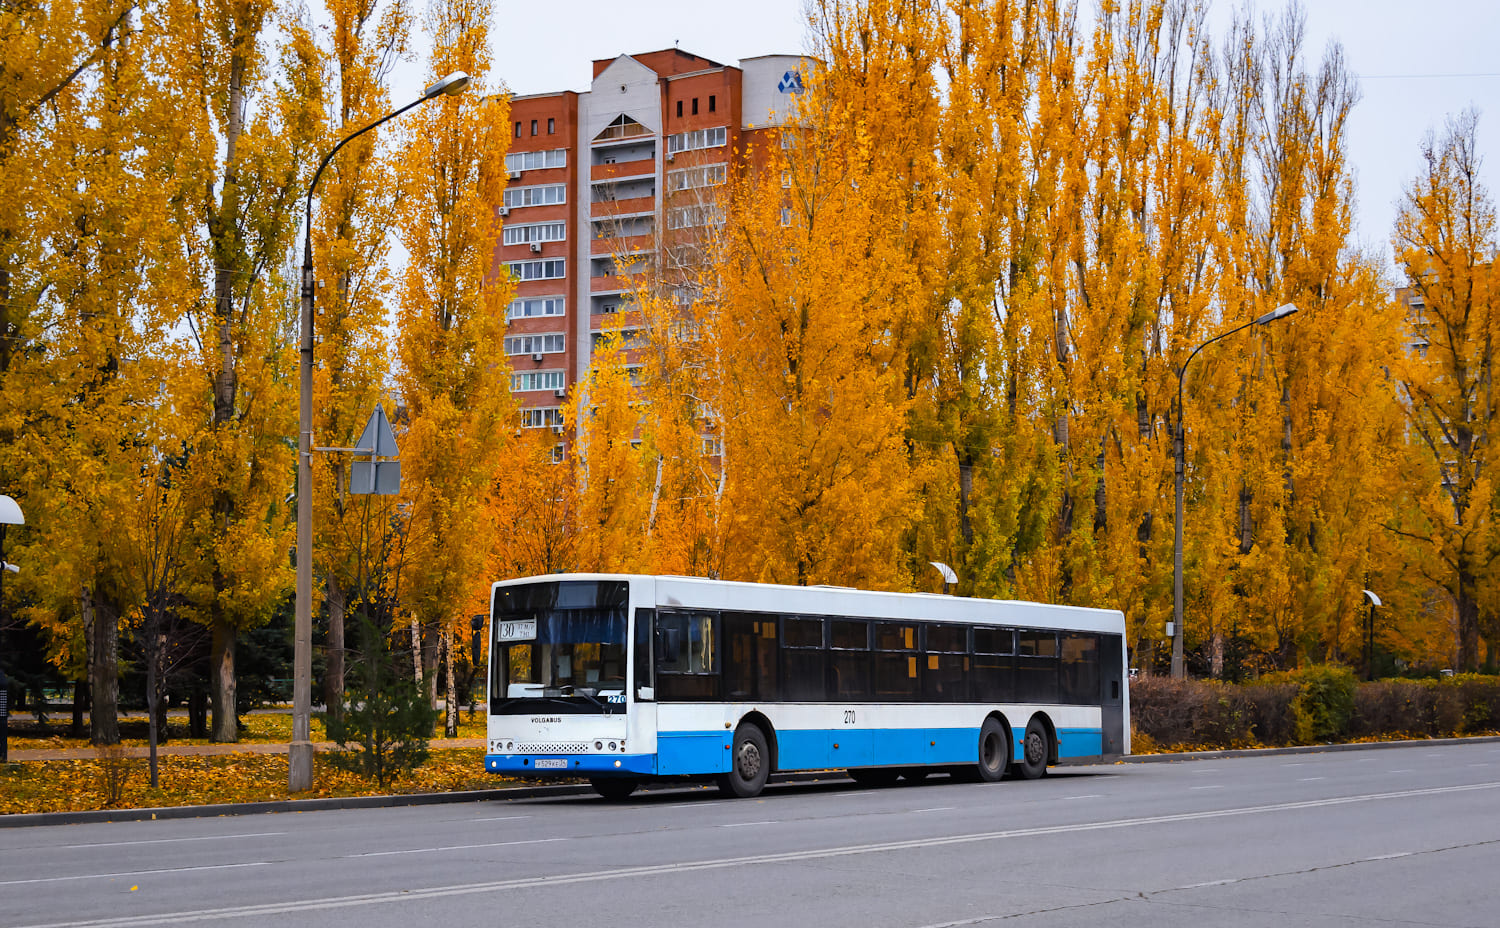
x=1391 y=856
x=253 y=834
x=1088 y=796
x=1408 y=770
x=1210 y=883
x=936 y=809
x=449 y=847
x=1309 y=779
x=1205 y=787
x=622 y=873
x=136 y=873
x=500 y=818
x=1291 y=765
x=743 y=824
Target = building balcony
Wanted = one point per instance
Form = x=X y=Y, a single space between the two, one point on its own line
x=621 y=245
x=601 y=209
x=620 y=169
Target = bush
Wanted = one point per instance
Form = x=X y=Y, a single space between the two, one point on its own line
x=1324 y=703
x=1312 y=705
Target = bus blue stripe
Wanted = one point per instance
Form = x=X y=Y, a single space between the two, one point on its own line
x=707 y=752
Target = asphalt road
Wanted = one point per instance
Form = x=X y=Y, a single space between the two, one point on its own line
x=1389 y=837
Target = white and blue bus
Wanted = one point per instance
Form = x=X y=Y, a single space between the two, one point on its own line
x=622 y=678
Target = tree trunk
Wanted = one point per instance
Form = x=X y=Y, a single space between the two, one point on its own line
x=1467 y=607
x=224 y=685
x=416 y=649
x=153 y=702
x=103 y=630
x=197 y=711
x=450 y=713
x=80 y=705
x=333 y=677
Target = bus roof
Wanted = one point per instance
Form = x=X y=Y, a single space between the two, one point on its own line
x=702 y=593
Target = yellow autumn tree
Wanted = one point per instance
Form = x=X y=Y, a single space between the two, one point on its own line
x=805 y=317
x=355 y=211
x=252 y=84
x=87 y=413
x=1445 y=242
x=453 y=380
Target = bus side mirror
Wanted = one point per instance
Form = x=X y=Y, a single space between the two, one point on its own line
x=477 y=623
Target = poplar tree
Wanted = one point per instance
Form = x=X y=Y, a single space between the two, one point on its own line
x=453 y=379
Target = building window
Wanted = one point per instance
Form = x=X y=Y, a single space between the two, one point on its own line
x=537 y=306
x=695 y=106
x=687 y=217
x=557 y=453
x=518 y=130
x=536 y=232
x=623 y=127
x=711 y=102
x=551 y=125
x=709 y=175
x=545 y=195
x=535 y=344
x=533 y=127
x=535 y=160
x=679 y=109
x=551 y=269
x=541 y=417
x=698 y=138
x=528 y=381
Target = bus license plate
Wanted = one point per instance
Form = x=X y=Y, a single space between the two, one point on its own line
x=551 y=764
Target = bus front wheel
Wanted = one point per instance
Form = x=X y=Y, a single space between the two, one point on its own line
x=1036 y=749
x=614 y=788
x=749 y=763
x=994 y=751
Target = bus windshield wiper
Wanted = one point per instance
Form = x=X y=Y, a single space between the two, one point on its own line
x=585 y=693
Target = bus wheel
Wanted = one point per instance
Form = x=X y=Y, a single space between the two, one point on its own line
x=614 y=788
x=749 y=763
x=874 y=776
x=1038 y=747
x=994 y=751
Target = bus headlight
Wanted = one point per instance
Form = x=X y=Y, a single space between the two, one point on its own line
x=611 y=745
x=617 y=763
x=598 y=745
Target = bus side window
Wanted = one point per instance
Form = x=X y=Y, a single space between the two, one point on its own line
x=686 y=657
x=645 y=629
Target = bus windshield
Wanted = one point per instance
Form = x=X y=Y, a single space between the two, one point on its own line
x=562 y=643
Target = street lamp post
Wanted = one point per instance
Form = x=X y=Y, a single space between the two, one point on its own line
x=1178 y=465
x=300 y=751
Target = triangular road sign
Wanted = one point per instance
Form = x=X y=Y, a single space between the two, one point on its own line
x=377 y=438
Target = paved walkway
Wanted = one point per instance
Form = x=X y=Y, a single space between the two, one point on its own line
x=169 y=749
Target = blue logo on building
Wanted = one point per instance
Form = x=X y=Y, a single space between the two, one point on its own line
x=791 y=82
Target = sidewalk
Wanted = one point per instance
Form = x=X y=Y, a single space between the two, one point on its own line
x=167 y=750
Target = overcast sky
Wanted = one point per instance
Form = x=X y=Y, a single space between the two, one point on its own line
x=1418 y=63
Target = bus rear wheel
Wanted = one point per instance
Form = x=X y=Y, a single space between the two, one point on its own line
x=614 y=788
x=994 y=751
x=749 y=763
x=1036 y=749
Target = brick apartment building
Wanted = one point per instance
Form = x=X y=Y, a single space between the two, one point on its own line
x=609 y=183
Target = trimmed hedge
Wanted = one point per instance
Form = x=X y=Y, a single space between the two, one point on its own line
x=1310 y=706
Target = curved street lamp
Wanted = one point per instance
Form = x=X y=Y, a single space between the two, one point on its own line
x=1280 y=312
x=300 y=751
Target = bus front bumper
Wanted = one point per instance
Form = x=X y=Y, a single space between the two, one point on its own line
x=571 y=765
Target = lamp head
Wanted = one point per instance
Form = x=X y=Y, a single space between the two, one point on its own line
x=1280 y=312
x=452 y=85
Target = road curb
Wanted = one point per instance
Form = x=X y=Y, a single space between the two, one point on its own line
x=1169 y=758
x=100 y=816
x=337 y=803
